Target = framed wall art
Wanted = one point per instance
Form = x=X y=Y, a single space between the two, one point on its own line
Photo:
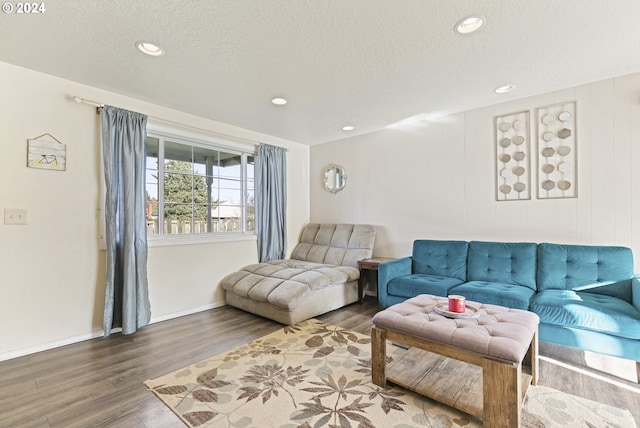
x=512 y=156
x=46 y=152
x=557 y=151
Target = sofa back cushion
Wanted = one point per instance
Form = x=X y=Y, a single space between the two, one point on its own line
x=335 y=244
x=442 y=258
x=503 y=262
x=584 y=267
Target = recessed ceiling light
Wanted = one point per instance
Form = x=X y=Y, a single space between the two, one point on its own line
x=503 y=89
x=348 y=128
x=149 y=48
x=469 y=24
x=279 y=101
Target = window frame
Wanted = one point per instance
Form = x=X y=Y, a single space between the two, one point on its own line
x=207 y=141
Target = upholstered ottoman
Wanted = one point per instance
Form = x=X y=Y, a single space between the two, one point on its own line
x=497 y=340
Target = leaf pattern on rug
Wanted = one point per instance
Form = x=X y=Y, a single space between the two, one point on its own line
x=253 y=349
x=323 y=352
x=315 y=375
x=329 y=387
x=292 y=329
x=389 y=399
x=342 y=389
x=205 y=396
x=340 y=335
x=209 y=380
x=172 y=390
x=270 y=379
x=364 y=366
x=341 y=416
x=198 y=418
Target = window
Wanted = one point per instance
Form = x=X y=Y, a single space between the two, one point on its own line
x=195 y=187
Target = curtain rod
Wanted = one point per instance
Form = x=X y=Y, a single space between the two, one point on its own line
x=79 y=100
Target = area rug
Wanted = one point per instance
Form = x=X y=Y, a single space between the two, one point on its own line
x=318 y=375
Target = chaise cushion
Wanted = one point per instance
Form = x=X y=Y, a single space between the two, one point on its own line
x=605 y=314
x=283 y=283
x=321 y=275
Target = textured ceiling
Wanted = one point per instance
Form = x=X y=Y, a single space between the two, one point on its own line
x=368 y=63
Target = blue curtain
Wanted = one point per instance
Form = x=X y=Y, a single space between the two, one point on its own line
x=271 y=202
x=124 y=136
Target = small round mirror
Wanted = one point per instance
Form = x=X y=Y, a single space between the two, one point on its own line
x=335 y=178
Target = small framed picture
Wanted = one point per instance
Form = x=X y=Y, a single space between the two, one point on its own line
x=46 y=152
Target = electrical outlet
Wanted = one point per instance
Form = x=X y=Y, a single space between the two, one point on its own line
x=15 y=216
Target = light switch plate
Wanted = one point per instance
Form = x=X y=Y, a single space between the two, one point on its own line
x=15 y=216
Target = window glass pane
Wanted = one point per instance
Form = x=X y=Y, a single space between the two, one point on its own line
x=201 y=169
x=229 y=160
x=151 y=185
x=177 y=218
x=250 y=166
x=250 y=202
x=178 y=187
x=175 y=211
x=204 y=190
x=251 y=211
x=230 y=184
x=230 y=189
x=200 y=214
x=204 y=160
x=227 y=217
x=177 y=152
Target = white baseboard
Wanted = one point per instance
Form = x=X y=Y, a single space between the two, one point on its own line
x=186 y=312
x=98 y=333
x=49 y=345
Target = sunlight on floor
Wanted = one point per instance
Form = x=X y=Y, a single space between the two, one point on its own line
x=627 y=370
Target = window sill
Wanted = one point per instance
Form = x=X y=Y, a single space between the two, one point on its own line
x=167 y=241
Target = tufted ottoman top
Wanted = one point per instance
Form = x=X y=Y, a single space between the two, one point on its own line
x=498 y=332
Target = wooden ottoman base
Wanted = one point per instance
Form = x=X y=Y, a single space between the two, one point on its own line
x=494 y=392
x=473 y=363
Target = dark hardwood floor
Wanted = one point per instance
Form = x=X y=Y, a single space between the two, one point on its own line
x=99 y=382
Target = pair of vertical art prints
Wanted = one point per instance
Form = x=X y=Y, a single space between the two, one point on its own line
x=554 y=150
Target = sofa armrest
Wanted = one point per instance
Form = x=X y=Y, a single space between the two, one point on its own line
x=635 y=292
x=388 y=271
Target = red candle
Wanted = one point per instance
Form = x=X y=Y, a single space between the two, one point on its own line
x=456 y=303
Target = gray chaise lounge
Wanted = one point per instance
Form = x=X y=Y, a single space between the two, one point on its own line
x=321 y=275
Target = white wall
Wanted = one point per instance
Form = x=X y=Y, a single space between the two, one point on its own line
x=435 y=180
x=51 y=270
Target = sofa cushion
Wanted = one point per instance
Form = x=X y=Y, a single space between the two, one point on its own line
x=495 y=293
x=415 y=284
x=440 y=258
x=336 y=244
x=503 y=262
x=587 y=311
x=582 y=267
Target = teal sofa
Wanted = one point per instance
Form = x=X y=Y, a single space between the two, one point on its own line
x=587 y=297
